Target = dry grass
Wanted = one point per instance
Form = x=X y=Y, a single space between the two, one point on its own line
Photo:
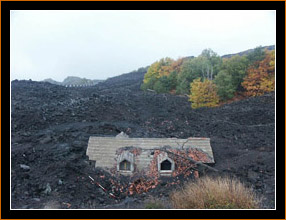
x=154 y=203
x=214 y=193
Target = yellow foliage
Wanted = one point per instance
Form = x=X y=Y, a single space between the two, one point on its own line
x=158 y=69
x=203 y=94
x=152 y=72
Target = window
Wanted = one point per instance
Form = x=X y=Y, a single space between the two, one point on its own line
x=124 y=165
x=166 y=165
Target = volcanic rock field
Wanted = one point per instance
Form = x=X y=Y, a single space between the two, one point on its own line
x=51 y=124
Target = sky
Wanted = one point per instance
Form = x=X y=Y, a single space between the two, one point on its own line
x=99 y=44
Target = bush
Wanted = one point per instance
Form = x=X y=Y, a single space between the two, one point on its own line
x=162 y=85
x=214 y=193
x=153 y=205
x=149 y=84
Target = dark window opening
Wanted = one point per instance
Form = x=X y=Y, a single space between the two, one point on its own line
x=166 y=165
x=124 y=165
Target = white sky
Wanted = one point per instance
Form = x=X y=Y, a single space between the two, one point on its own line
x=102 y=44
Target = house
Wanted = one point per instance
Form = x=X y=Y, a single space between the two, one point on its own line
x=152 y=156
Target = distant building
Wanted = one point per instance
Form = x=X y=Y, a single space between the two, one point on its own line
x=155 y=156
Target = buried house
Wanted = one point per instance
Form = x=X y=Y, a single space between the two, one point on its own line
x=150 y=156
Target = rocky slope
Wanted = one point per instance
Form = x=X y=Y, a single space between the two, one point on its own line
x=51 y=125
x=246 y=52
x=74 y=81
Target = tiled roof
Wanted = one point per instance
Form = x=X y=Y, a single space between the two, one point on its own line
x=103 y=149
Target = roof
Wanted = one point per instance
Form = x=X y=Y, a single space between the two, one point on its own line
x=103 y=149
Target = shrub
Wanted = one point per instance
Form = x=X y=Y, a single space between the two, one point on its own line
x=153 y=205
x=214 y=193
x=162 y=85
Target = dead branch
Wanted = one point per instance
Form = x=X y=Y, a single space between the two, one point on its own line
x=182 y=146
x=105 y=190
x=190 y=159
x=187 y=158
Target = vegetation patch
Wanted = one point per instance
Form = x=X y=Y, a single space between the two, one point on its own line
x=209 y=79
x=214 y=193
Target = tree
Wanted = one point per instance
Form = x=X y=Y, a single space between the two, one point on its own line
x=224 y=83
x=207 y=65
x=149 y=84
x=177 y=65
x=189 y=71
x=156 y=70
x=210 y=63
x=162 y=85
x=256 y=55
x=166 y=83
x=203 y=94
x=151 y=75
x=261 y=76
x=236 y=67
x=172 y=78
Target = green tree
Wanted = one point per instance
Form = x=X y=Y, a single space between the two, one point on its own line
x=210 y=63
x=190 y=70
x=162 y=85
x=207 y=65
x=225 y=87
x=256 y=55
x=172 y=80
x=203 y=94
x=165 y=83
x=150 y=83
x=236 y=67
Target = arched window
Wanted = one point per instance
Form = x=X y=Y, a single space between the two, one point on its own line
x=166 y=165
x=124 y=165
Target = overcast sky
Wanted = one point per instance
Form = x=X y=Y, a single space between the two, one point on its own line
x=102 y=44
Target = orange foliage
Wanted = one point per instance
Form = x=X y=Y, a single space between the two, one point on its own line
x=177 y=65
x=170 y=67
x=261 y=79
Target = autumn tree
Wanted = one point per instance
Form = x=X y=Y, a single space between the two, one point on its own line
x=203 y=93
x=156 y=70
x=261 y=76
x=176 y=65
x=162 y=75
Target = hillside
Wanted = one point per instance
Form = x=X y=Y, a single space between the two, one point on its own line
x=74 y=81
x=55 y=141
x=246 y=52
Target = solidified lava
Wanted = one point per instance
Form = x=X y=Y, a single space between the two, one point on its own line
x=51 y=125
